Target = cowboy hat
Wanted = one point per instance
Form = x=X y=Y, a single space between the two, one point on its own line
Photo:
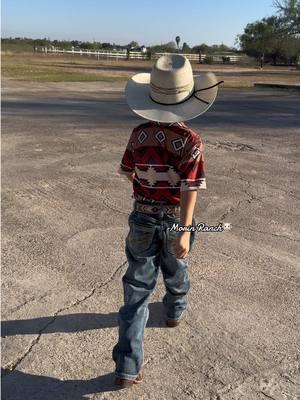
x=171 y=93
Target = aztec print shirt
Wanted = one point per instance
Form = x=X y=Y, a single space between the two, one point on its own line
x=166 y=159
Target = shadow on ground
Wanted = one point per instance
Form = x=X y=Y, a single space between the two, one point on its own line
x=19 y=385
x=76 y=322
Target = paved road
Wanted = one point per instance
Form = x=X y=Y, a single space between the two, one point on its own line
x=64 y=212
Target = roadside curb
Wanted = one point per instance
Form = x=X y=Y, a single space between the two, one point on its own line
x=278 y=86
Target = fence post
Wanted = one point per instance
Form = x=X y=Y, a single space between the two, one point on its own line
x=200 y=57
x=297 y=62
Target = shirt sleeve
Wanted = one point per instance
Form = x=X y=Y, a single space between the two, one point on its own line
x=192 y=168
x=127 y=163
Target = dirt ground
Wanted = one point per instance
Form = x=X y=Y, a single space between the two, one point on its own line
x=64 y=222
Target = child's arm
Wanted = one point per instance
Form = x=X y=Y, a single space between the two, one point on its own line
x=192 y=173
x=130 y=177
x=187 y=206
x=127 y=163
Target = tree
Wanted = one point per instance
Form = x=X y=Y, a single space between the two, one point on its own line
x=170 y=45
x=133 y=44
x=258 y=38
x=106 y=46
x=177 y=41
x=164 y=48
x=86 y=45
x=75 y=43
x=291 y=50
x=271 y=37
x=220 y=48
x=186 y=48
x=289 y=13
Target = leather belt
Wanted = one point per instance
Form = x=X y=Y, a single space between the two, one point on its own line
x=156 y=209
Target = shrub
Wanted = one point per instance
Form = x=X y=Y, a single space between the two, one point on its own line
x=226 y=60
x=208 y=60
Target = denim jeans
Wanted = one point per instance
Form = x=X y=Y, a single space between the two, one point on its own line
x=150 y=246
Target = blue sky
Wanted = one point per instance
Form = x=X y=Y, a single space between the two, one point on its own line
x=146 y=21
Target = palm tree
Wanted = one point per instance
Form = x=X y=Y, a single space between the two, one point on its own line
x=177 y=41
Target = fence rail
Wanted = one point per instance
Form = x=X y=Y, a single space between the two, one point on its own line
x=202 y=57
x=191 y=57
x=125 y=54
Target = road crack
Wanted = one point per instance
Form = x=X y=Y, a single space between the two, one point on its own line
x=13 y=365
x=267 y=395
x=249 y=200
x=30 y=300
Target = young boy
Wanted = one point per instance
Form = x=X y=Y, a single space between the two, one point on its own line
x=164 y=161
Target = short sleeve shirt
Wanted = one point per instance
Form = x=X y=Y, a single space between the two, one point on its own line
x=166 y=160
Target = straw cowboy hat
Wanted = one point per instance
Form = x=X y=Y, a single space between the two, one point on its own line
x=171 y=93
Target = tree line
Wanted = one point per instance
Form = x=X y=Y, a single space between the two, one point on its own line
x=29 y=44
x=276 y=38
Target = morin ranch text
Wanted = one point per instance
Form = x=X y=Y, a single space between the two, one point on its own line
x=201 y=227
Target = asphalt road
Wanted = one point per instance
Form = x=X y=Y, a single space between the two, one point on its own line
x=64 y=222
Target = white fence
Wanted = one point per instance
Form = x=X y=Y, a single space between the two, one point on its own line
x=201 y=57
x=125 y=54
x=99 y=53
x=191 y=57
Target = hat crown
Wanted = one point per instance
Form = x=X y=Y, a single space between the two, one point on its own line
x=171 y=79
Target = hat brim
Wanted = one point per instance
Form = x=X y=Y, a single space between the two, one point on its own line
x=138 y=98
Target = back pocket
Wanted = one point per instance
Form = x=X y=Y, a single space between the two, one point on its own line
x=140 y=237
x=171 y=241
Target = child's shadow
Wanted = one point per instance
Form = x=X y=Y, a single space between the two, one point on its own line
x=17 y=385
x=75 y=322
x=22 y=386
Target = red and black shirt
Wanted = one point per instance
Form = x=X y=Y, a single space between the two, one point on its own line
x=165 y=159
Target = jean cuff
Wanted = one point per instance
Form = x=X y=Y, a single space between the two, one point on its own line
x=175 y=317
x=125 y=376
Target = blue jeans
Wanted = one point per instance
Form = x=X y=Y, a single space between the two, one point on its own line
x=149 y=245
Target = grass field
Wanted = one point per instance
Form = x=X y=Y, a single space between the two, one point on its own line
x=64 y=68
x=48 y=69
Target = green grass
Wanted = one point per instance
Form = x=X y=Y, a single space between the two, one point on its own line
x=57 y=68
x=26 y=71
x=237 y=85
x=30 y=72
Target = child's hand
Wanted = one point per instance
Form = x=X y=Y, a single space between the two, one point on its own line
x=182 y=246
